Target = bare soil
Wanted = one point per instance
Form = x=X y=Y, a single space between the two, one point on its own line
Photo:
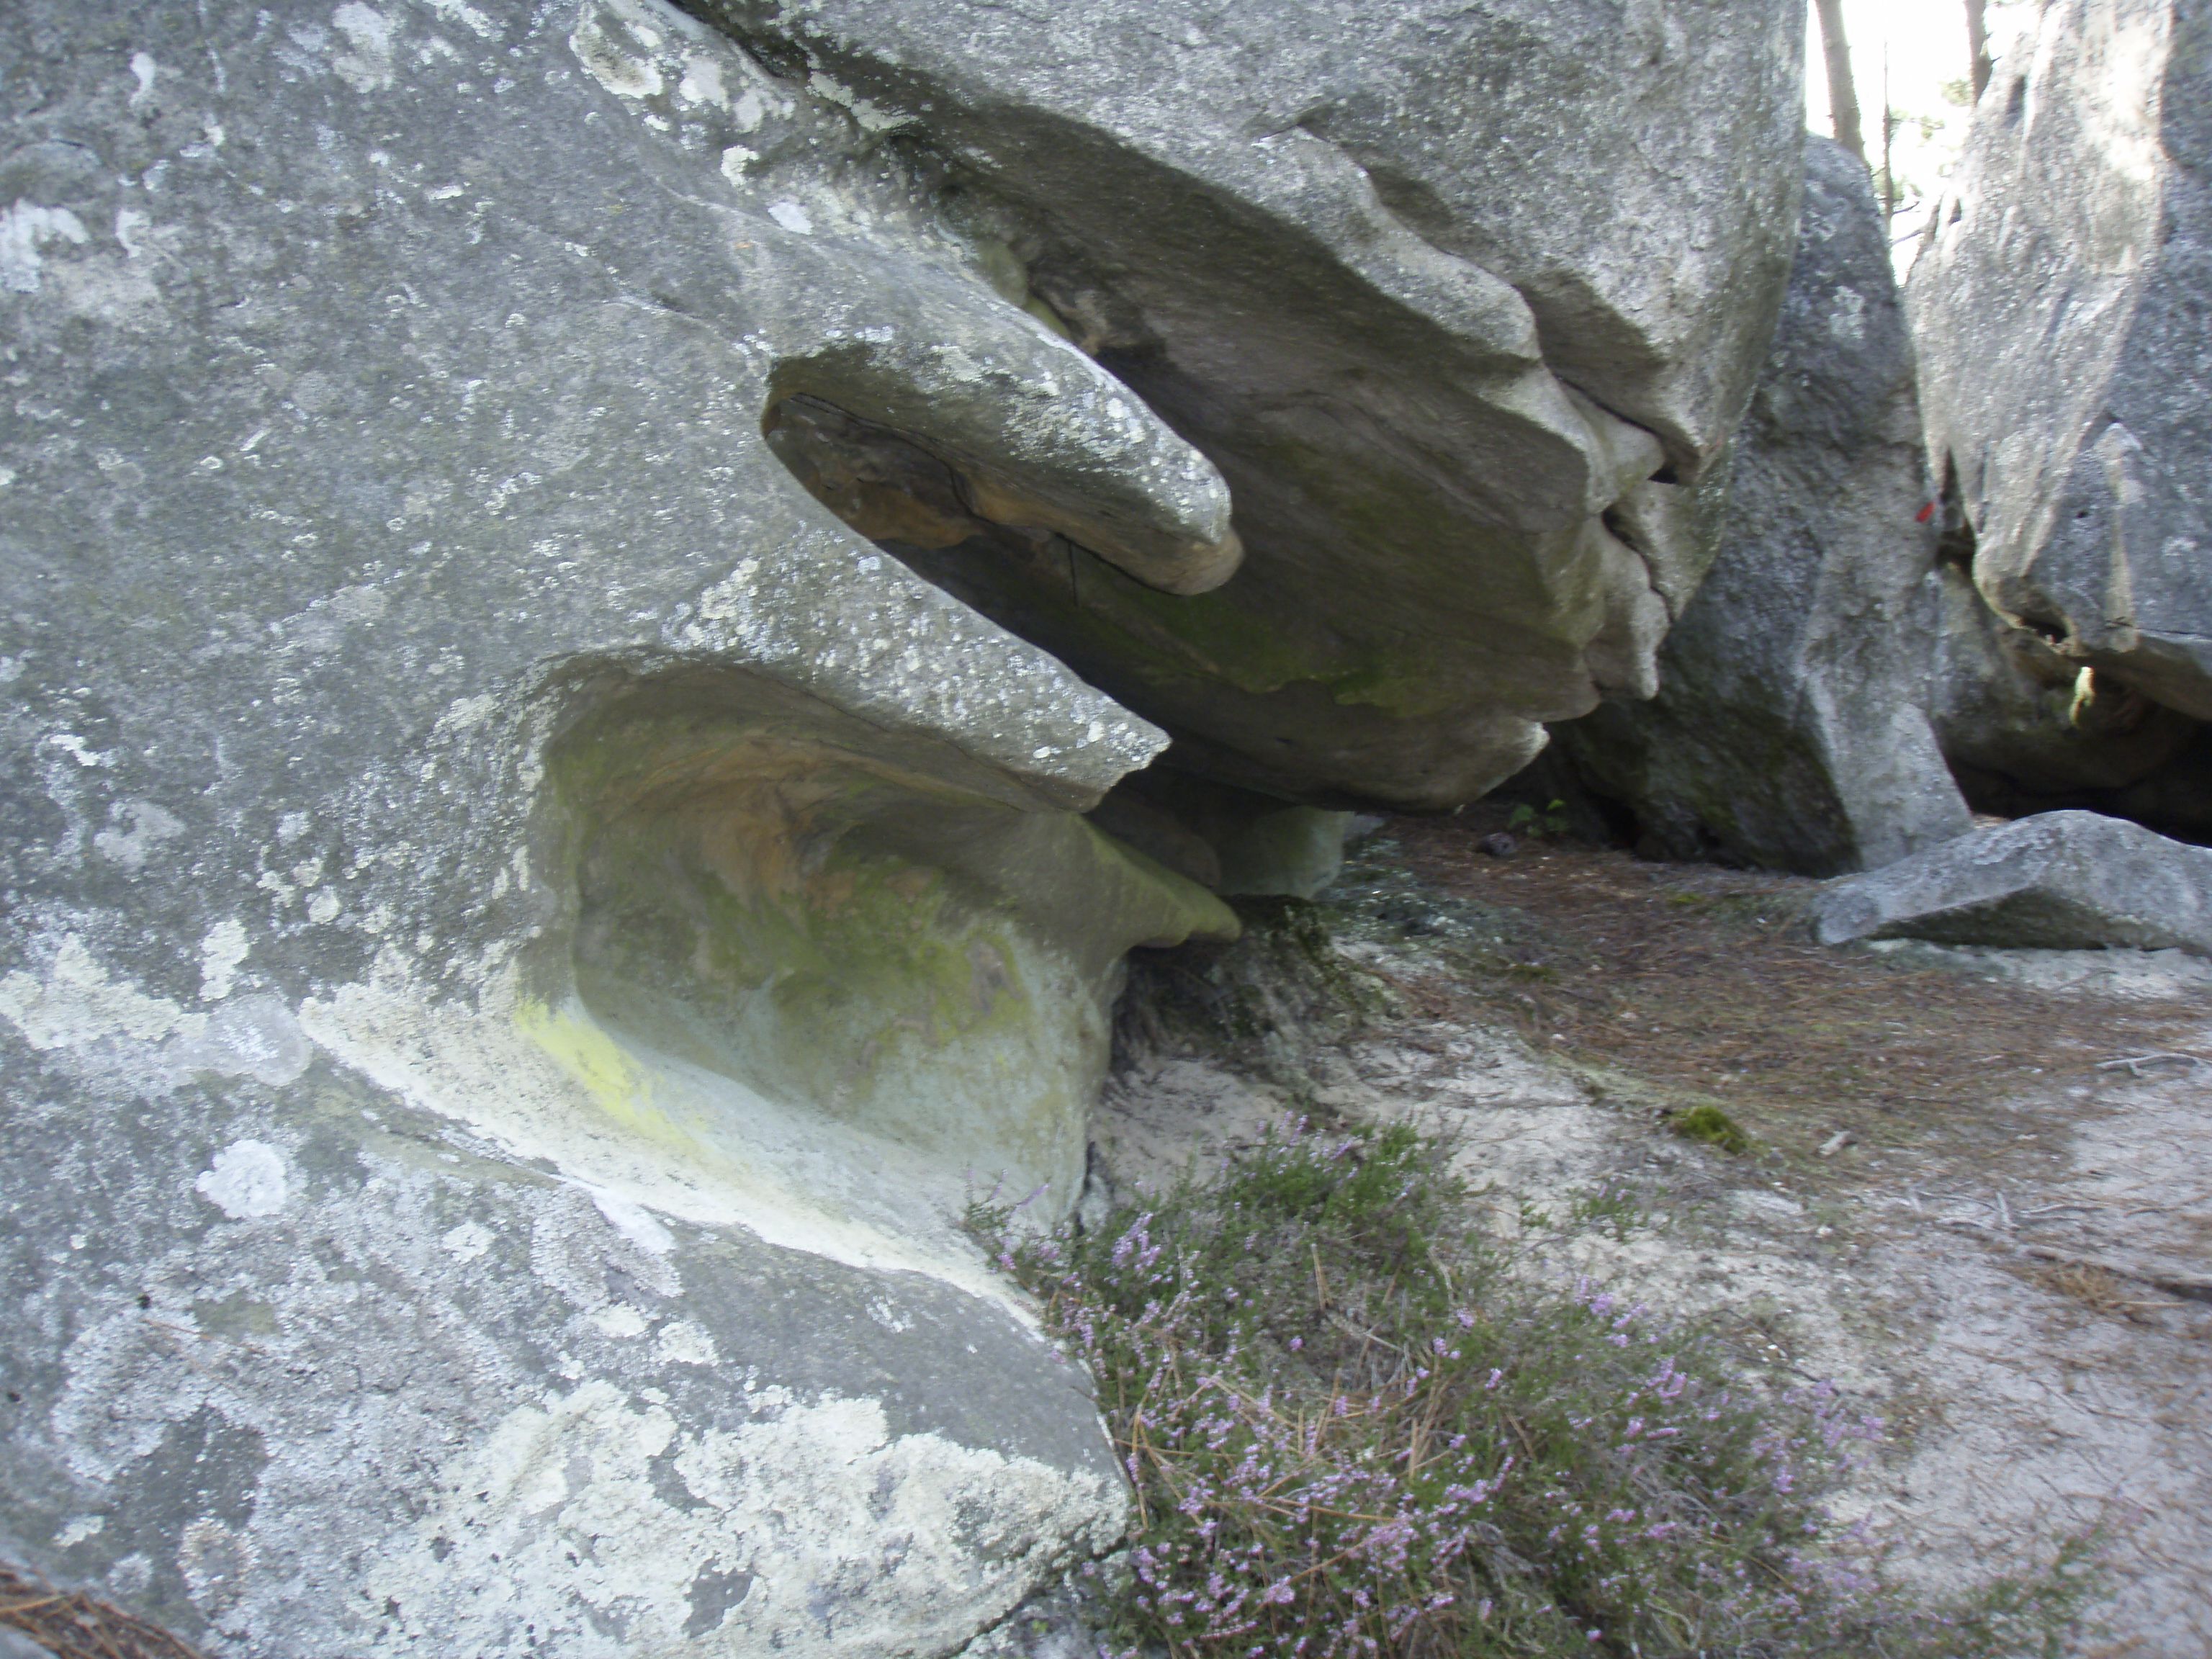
x=1961 y=1204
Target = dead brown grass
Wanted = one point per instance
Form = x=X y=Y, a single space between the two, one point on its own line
x=76 y=1625
x=1700 y=980
x=2095 y=1288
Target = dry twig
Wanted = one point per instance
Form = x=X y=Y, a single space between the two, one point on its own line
x=76 y=1626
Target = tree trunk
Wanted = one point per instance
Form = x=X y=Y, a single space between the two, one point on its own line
x=1843 y=101
x=1977 y=45
x=1888 y=131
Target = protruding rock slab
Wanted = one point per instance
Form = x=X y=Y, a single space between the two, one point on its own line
x=2060 y=881
x=1458 y=298
x=1789 y=729
x=2059 y=301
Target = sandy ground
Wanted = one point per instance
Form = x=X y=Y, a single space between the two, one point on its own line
x=2020 y=1292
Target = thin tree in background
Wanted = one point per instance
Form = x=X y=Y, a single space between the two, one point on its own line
x=1977 y=43
x=1843 y=101
x=1888 y=132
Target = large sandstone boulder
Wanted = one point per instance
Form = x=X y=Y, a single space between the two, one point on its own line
x=1462 y=299
x=522 y=930
x=2059 y=297
x=2059 y=881
x=1789 y=729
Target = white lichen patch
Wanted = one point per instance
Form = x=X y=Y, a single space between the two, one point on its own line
x=466 y=1243
x=843 y=1537
x=617 y=53
x=680 y=1342
x=221 y=952
x=24 y=228
x=467 y=15
x=873 y=117
x=76 y=1003
x=246 y=1180
x=135 y=829
x=702 y=82
x=365 y=64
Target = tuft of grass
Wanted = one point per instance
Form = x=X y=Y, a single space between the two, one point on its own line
x=1356 y=1426
x=1711 y=1126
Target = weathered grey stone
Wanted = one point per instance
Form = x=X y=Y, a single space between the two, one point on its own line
x=2059 y=881
x=1441 y=288
x=1230 y=840
x=1789 y=729
x=520 y=928
x=363 y=1384
x=1067 y=1621
x=2059 y=299
x=2010 y=711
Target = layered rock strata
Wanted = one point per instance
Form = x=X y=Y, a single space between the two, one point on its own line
x=1462 y=300
x=525 y=923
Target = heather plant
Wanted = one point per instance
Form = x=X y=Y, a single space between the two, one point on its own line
x=1354 y=1425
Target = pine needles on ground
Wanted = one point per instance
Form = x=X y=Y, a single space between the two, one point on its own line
x=73 y=1624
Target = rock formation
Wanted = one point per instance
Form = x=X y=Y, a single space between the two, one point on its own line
x=1462 y=301
x=2028 y=729
x=1789 y=729
x=2058 y=297
x=524 y=925
x=2058 y=881
x=522 y=928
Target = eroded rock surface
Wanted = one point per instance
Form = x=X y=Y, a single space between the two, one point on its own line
x=1789 y=729
x=2059 y=301
x=2059 y=881
x=521 y=929
x=1462 y=300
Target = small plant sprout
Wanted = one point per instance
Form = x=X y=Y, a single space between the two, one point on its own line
x=1549 y=823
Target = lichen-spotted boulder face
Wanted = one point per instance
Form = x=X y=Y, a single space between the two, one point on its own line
x=1790 y=729
x=2058 y=297
x=1460 y=298
x=521 y=928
